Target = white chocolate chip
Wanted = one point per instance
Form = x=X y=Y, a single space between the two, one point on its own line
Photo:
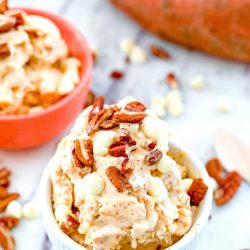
x=197 y=82
x=62 y=211
x=156 y=189
x=104 y=138
x=158 y=106
x=99 y=149
x=84 y=227
x=30 y=210
x=137 y=55
x=187 y=182
x=165 y=164
x=91 y=184
x=6 y=97
x=174 y=103
x=213 y=183
x=224 y=105
x=126 y=45
x=132 y=128
x=66 y=85
x=14 y=209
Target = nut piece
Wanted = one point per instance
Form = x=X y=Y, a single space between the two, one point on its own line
x=90 y=99
x=214 y=169
x=118 y=149
x=5 y=202
x=116 y=74
x=228 y=188
x=108 y=124
x=4 y=50
x=197 y=191
x=117 y=179
x=153 y=157
x=159 y=52
x=7 y=242
x=7 y=23
x=69 y=224
x=135 y=107
x=9 y=221
x=172 y=81
x=127 y=166
x=3 y=6
x=84 y=151
x=128 y=117
x=97 y=106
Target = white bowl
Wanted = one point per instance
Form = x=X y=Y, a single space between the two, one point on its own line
x=61 y=241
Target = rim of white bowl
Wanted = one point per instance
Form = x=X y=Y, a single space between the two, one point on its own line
x=200 y=221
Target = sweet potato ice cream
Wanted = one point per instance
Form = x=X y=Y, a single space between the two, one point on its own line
x=115 y=185
x=35 y=67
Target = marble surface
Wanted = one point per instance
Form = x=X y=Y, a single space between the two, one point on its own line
x=229 y=227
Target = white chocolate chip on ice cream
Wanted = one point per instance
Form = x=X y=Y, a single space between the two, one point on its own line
x=165 y=164
x=157 y=189
x=61 y=212
x=92 y=184
x=187 y=182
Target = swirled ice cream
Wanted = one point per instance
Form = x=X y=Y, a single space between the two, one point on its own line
x=36 y=70
x=115 y=185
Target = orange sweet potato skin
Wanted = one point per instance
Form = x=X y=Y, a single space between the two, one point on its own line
x=218 y=27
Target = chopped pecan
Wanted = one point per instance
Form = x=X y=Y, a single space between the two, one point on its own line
x=4 y=202
x=3 y=192
x=153 y=157
x=7 y=242
x=152 y=145
x=97 y=119
x=172 y=81
x=118 y=149
x=117 y=178
x=7 y=23
x=135 y=107
x=3 y=6
x=69 y=224
x=97 y=106
x=127 y=166
x=228 y=188
x=48 y=99
x=4 y=50
x=4 y=173
x=128 y=117
x=108 y=124
x=214 y=169
x=90 y=99
x=9 y=221
x=159 y=52
x=19 y=15
x=84 y=151
x=116 y=74
x=197 y=191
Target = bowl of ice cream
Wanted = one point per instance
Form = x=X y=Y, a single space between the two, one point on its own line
x=117 y=182
x=45 y=74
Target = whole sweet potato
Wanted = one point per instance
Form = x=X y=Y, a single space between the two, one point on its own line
x=218 y=27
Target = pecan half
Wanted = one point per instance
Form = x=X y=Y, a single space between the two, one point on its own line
x=3 y=192
x=97 y=106
x=228 y=188
x=214 y=169
x=19 y=15
x=153 y=157
x=135 y=107
x=108 y=124
x=4 y=177
x=118 y=149
x=197 y=191
x=97 y=119
x=116 y=74
x=7 y=23
x=159 y=52
x=84 y=151
x=78 y=163
x=90 y=99
x=127 y=166
x=7 y=242
x=4 y=50
x=117 y=179
x=3 y=6
x=69 y=224
x=172 y=81
x=9 y=221
x=128 y=117
x=4 y=202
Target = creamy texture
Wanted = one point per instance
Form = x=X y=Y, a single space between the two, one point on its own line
x=38 y=70
x=154 y=213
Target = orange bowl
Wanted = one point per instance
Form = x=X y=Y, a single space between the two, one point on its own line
x=25 y=131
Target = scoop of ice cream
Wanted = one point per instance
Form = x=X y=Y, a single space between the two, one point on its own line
x=113 y=174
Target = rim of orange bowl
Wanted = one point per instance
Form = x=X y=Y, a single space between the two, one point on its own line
x=84 y=74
